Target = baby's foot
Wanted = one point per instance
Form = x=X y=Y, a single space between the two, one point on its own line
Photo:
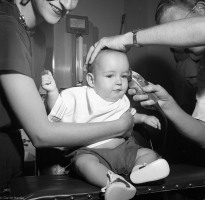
x=153 y=171
x=118 y=188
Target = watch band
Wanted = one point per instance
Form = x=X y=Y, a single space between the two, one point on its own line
x=135 y=42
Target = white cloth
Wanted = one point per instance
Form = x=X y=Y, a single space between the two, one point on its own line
x=199 y=111
x=83 y=105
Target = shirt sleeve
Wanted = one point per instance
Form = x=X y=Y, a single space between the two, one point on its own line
x=63 y=109
x=15 y=47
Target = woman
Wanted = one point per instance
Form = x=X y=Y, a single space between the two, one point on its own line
x=20 y=103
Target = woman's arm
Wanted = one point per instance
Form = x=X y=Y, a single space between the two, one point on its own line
x=25 y=101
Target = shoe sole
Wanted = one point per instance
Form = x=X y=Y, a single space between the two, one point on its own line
x=118 y=191
x=154 y=171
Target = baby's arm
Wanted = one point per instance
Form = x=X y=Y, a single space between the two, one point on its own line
x=149 y=120
x=48 y=84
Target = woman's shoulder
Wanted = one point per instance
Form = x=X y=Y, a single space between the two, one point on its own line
x=11 y=29
x=8 y=23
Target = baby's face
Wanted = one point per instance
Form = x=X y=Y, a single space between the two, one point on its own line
x=111 y=76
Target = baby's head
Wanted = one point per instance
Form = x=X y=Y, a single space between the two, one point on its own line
x=108 y=74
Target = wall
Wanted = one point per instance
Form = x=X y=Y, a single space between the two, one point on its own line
x=103 y=14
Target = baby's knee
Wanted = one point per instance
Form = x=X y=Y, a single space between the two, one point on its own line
x=148 y=152
x=84 y=160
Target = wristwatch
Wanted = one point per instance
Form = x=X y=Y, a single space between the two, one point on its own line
x=135 y=42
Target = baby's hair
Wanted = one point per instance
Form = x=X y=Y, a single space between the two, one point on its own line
x=91 y=67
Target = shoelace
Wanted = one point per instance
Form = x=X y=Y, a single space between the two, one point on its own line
x=109 y=181
x=112 y=179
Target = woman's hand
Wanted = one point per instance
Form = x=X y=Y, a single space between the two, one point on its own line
x=127 y=120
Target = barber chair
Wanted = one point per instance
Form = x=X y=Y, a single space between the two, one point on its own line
x=186 y=181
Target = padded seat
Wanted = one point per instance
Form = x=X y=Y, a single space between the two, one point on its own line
x=181 y=177
x=53 y=187
x=60 y=187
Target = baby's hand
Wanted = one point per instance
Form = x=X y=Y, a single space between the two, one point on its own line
x=152 y=121
x=47 y=81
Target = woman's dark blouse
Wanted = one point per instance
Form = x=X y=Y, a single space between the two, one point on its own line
x=15 y=56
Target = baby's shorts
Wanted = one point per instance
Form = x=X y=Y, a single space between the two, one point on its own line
x=120 y=160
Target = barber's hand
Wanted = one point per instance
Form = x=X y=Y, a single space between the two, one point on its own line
x=164 y=97
x=47 y=82
x=127 y=120
x=119 y=42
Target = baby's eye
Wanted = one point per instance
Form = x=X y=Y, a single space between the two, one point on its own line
x=109 y=76
x=125 y=76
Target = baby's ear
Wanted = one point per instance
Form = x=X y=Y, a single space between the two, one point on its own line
x=200 y=7
x=90 y=79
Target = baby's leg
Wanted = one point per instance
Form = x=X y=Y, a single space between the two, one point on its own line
x=148 y=167
x=114 y=186
x=145 y=156
x=89 y=167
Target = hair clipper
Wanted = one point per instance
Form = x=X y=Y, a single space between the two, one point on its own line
x=141 y=82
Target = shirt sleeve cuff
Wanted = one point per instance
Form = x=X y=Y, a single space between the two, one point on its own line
x=58 y=110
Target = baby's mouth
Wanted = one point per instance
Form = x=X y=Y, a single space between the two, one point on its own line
x=118 y=90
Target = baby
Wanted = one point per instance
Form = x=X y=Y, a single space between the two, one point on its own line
x=104 y=99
